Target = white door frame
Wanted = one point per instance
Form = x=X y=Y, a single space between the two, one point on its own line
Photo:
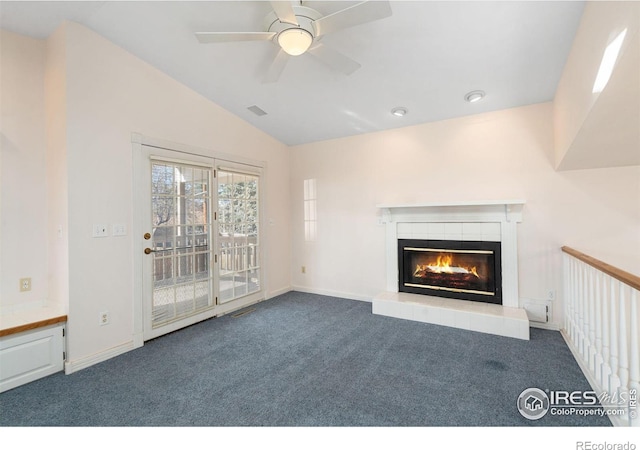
x=139 y=198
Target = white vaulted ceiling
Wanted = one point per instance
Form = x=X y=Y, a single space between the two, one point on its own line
x=426 y=56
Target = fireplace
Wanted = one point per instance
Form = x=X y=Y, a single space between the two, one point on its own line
x=485 y=230
x=465 y=270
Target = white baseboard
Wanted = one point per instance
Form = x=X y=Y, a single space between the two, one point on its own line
x=544 y=326
x=72 y=366
x=138 y=340
x=330 y=293
x=277 y=292
x=88 y=361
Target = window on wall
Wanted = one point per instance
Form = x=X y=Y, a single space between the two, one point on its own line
x=238 y=233
x=310 y=221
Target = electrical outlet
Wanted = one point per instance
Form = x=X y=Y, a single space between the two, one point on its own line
x=551 y=294
x=303 y=269
x=25 y=284
x=104 y=318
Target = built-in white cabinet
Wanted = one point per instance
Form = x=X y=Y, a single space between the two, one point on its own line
x=30 y=355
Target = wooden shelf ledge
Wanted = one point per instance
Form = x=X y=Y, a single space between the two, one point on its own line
x=32 y=325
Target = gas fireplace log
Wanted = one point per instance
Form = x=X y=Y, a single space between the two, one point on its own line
x=452 y=280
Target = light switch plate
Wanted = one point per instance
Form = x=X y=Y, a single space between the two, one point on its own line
x=100 y=230
x=119 y=230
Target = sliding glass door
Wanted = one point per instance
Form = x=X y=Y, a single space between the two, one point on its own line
x=201 y=238
x=238 y=233
x=180 y=241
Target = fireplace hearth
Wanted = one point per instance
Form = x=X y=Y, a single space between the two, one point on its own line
x=465 y=270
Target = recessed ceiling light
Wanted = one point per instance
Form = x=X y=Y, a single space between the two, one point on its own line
x=474 y=96
x=399 y=111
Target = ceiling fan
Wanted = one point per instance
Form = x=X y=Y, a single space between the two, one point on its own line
x=297 y=29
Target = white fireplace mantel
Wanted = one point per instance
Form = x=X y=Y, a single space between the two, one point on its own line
x=478 y=211
x=494 y=220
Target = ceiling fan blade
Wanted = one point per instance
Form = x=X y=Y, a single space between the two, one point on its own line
x=284 y=12
x=276 y=67
x=209 y=37
x=354 y=15
x=334 y=59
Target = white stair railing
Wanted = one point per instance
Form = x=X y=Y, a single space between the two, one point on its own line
x=601 y=326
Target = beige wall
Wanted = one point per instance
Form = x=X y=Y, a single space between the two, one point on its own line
x=600 y=129
x=81 y=97
x=110 y=94
x=69 y=107
x=23 y=214
x=57 y=203
x=507 y=154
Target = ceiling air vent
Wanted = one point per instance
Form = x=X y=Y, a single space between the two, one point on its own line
x=257 y=110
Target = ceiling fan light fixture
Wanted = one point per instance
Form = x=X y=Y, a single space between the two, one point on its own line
x=474 y=96
x=295 y=41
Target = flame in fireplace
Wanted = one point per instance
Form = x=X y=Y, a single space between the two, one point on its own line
x=443 y=264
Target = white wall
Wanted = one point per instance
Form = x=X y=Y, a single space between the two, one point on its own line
x=587 y=122
x=57 y=205
x=507 y=154
x=110 y=94
x=97 y=95
x=23 y=212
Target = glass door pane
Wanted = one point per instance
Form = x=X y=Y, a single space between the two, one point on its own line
x=238 y=226
x=181 y=241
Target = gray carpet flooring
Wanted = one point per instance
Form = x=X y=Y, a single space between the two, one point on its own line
x=308 y=360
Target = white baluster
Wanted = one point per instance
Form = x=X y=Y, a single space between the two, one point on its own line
x=623 y=347
x=634 y=350
x=591 y=317
x=566 y=286
x=574 y=303
x=606 y=336
x=598 y=335
x=577 y=306
x=566 y=293
x=614 y=380
x=584 y=347
x=571 y=299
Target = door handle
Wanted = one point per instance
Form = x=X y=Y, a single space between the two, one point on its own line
x=147 y=250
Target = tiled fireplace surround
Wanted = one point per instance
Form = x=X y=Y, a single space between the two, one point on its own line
x=465 y=221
